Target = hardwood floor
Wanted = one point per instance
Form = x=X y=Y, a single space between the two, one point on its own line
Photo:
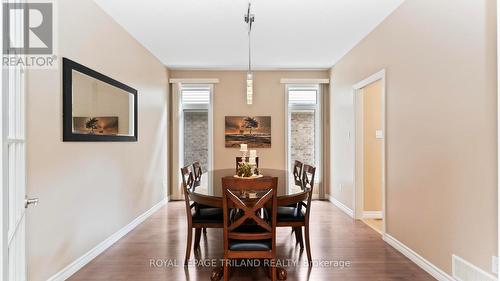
x=334 y=237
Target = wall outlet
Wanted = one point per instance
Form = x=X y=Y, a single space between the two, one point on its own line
x=494 y=264
x=340 y=187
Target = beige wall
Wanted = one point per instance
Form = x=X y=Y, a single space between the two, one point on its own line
x=372 y=162
x=440 y=59
x=90 y=190
x=268 y=100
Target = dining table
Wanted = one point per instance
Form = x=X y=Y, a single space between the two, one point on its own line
x=207 y=191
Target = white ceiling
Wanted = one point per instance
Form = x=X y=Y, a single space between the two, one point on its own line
x=212 y=34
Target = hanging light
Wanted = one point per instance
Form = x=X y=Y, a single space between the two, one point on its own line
x=249 y=19
x=249 y=88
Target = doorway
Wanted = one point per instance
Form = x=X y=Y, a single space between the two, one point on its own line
x=369 y=104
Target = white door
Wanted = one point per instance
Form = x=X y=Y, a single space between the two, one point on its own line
x=13 y=170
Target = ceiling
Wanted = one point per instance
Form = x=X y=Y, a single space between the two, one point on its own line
x=287 y=34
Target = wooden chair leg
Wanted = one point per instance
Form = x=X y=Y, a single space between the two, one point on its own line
x=274 y=274
x=308 y=244
x=226 y=271
x=188 y=245
x=300 y=240
x=297 y=238
x=197 y=238
x=205 y=230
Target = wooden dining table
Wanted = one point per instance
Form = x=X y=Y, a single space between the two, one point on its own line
x=208 y=191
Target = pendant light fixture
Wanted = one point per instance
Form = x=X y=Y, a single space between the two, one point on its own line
x=249 y=19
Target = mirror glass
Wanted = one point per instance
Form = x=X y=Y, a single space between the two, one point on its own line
x=100 y=108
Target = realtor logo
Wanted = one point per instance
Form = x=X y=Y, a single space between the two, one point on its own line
x=28 y=34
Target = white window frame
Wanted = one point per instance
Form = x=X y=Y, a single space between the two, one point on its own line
x=196 y=108
x=318 y=129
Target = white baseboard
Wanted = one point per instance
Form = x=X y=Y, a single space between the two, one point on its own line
x=426 y=265
x=463 y=270
x=372 y=215
x=72 y=268
x=341 y=206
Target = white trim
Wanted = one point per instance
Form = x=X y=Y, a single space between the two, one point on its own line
x=211 y=132
x=76 y=265
x=358 y=86
x=244 y=68
x=4 y=188
x=367 y=81
x=194 y=81
x=372 y=215
x=341 y=206
x=476 y=272
x=287 y=140
x=304 y=81
x=426 y=265
x=498 y=130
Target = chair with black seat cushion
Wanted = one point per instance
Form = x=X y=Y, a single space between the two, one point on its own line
x=248 y=234
x=199 y=218
x=239 y=159
x=298 y=216
x=197 y=173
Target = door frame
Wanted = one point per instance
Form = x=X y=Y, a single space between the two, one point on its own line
x=358 y=167
x=498 y=132
x=3 y=197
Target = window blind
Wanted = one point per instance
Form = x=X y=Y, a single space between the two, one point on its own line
x=302 y=96
x=195 y=96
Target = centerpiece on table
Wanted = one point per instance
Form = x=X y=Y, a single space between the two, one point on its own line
x=247 y=169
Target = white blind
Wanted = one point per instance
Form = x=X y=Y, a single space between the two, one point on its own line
x=195 y=96
x=302 y=96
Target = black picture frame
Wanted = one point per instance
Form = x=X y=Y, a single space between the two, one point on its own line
x=68 y=135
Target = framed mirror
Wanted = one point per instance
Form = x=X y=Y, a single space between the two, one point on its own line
x=96 y=107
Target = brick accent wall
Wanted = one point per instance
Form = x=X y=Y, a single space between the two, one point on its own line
x=302 y=137
x=196 y=138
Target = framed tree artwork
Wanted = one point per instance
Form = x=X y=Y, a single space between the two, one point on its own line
x=252 y=130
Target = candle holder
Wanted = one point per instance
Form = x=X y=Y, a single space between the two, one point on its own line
x=244 y=154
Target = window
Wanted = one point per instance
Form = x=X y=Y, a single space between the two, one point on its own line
x=304 y=125
x=196 y=124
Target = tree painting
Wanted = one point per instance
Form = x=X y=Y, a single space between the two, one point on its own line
x=251 y=123
x=255 y=131
x=91 y=124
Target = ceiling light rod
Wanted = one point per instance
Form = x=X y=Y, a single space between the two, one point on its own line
x=249 y=19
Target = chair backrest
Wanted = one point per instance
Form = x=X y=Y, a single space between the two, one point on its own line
x=197 y=171
x=187 y=184
x=308 y=173
x=297 y=171
x=239 y=159
x=232 y=188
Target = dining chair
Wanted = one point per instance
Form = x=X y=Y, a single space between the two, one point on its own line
x=298 y=216
x=199 y=218
x=197 y=170
x=239 y=159
x=247 y=233
x=297 y=171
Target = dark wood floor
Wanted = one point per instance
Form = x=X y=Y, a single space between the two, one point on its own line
x=335 y=237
